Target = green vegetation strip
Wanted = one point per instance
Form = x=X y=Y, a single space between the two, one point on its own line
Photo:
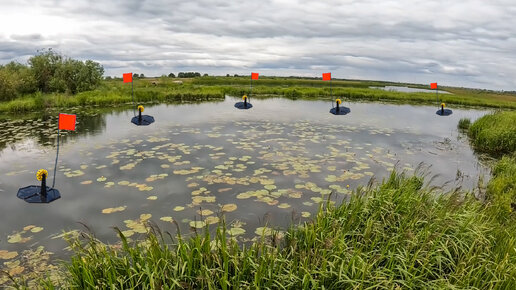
x=495 y=134
x=113 y=92
x=399 y=234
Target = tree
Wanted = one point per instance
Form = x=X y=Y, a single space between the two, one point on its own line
x=16 y=79
x=55 y=73
x=205 y=75
x=44 y=66
x=136 y=76
x=142 y=76
x=171 y=75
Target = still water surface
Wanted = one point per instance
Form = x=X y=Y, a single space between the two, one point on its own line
x=271 y=164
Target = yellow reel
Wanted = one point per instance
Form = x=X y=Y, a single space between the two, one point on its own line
x=40 y=173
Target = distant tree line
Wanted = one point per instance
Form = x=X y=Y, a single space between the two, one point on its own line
x=186 y=75
x=48 y=72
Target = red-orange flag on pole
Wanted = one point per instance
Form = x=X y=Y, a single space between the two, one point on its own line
x=67 y=122
x=128 y=78
x=254 y=76
x=326 y=76
x=433 y=86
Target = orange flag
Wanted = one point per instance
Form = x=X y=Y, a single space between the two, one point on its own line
x=67 y=122
x=128 y=77
x=254 y=76
x=326 y=76
x=433 y=86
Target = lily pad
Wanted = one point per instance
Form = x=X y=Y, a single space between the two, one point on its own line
x=166 y=219
x=197 y=224
x=229 y=207
x=113 y=209
x=236 y=231
x=6 y=255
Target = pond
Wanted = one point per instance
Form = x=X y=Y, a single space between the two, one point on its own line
x=263 y=167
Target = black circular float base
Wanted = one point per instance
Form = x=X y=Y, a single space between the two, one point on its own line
x=446 y=112
x=31 y=194
x=342 y=111
x=240 y=105
x=146 y=120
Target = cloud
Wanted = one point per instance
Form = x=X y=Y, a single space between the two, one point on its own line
x=462 y=43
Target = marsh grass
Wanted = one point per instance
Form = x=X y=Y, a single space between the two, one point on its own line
x=464 y=124
x=495 y=133
x=501 y=190
x=398 y=234
x=114 y=92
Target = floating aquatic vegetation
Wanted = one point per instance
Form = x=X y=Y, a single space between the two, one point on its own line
x=205 y=212
x=228 y=207
x=74 y=173
x=211 y=220
x=186 y=172
x=6 y=255
x=113 y=209
x=167 y=219
x=236 y=231
x=196 y=200
x=197 y=224
x=36 y=229
x=137 y=226
x=284 y=205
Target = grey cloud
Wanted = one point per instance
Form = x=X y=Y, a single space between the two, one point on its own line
x=459 y=43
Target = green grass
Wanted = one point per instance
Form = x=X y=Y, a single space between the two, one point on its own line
x=495 y=133
x=396 y=235
x=114 y=92
x=464 y=124
x=501 y=190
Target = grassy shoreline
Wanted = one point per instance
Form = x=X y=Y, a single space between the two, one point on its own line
x=115 y=92
x=396 y=234
x=495 y=134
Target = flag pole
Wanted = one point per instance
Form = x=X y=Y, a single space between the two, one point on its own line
x=250 y=93
x=331 y=93
x=132 y=93
x=57 y=155
x=437 y=94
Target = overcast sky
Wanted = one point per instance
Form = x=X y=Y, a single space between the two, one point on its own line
x=459 y=43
